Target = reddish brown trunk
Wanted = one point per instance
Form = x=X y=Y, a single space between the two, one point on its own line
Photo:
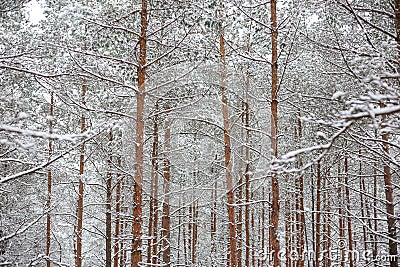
x=117 y=215
x=349 y=230
x=397 y=15
x=108 y=205
x=318 y=217
x=391 y=218
x=364 y=209
x=194 y=233
x=300 y=220
x=375 y=250
x=340 y=211
x=137 y=221
x=49 y=185
x=165 y=232
x=79 y=209
x=153 y=212
x=288 y=229
x=228 y=162
x=274 y=240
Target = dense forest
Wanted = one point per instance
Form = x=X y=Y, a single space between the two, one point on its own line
x=239 y=133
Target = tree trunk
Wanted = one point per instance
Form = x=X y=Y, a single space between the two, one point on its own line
x=153 y=211
x=318 y=217
x=300 y=204
x=391 y=218
x=341 y=219
x=49 y=185
x=274 y=240
x=349 y=230
x=140 y=97
x=108 y=204
x=117 y=214
x=228 y=162
x=214 y=221
x=79 y=209
x=166 y=220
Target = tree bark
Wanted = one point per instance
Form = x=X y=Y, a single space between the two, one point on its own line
x=349 y=230
x=300 y=204
x=49 y=185
x=391 y=217
x=137 y=221
x=227 y=150
x=79 y=209
x=153 y=211
x=318 y=217
x=117 y=214
x=166 y=220
x=108 y=204
x=274 y=239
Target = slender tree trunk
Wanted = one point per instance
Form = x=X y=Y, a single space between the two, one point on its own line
x=117 y=214
x=391 y=217
x=263 y=226
x=137 y=221
x=186 y=246
x=300 y=204
x=153 y=212
x=49 y=185
x=397 y=16
x=288 y=229
x=375 y=250
x=194 y=233
x=329 y=242
x=124 y=229
x=179 y=231
x=364 y=209
x=247 y=189
x=325 y=225
x=253 y=245
x=214 y=222
x=349 y=230
x=318 y=217
x=228 y=161
x=166 y=220
x=341 y=219
x=274 y=240
x=313 y=215
x=240 y=194
x=108 y=204
x=79 y=209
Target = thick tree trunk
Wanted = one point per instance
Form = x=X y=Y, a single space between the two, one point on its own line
x=137 y=221
x=228 y=161
x=108 y=204
x=274 y=240
x=49 y=185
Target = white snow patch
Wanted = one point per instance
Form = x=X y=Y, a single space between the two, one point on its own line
x=35 y=11
x=338 y=95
